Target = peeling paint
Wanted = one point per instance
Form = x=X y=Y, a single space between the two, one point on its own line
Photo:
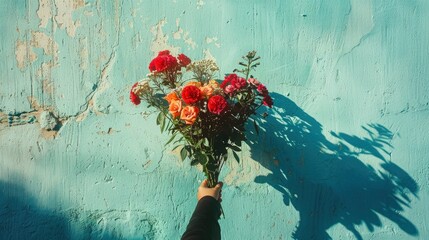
x=44 y=12
x=64 y=15
x=188 y=40
x=208 y=55
x=161 y=40
x=178 y=34
x=213 y=40
x=49 y=46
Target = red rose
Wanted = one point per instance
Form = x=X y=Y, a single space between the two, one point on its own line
x=267 y=101
x=191 y=94
x=163 y=62
x=217 y=104
x=183 y=60
x=133 y=97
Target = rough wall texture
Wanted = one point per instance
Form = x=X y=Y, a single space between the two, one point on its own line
x=344 y=154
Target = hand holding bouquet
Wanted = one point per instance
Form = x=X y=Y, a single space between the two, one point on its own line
x=204 y=116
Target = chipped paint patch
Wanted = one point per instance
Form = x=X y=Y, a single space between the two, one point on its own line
x=64 y=16
x=24 y=54
x=44 y=13
x=200 y=4
x=213 y=40
x=178 y=34
x=188 y=40
x=208 y=55
x=49 y=46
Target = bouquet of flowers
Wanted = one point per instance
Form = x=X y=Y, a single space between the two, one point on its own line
x=205 y=117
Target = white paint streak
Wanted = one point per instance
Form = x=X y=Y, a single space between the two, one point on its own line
x=83 y=53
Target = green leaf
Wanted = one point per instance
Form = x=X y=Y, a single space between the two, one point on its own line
x=198 y=145
x=236 y=156
x=194 y=162
x=159 y=118
x=201 y=158
x=235 y=148
x=175 y=147
x=171 y=139
x=183 y=153
x=162 y=123
x=255 y=124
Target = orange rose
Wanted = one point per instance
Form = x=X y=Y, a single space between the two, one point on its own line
x=175 y=108
x=189 y=114
x=207 y=91
x=171 y=97
x=193 y=83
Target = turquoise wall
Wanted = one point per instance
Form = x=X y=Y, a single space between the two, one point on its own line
x=343 y=154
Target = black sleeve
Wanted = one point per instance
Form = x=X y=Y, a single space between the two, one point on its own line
x=204 y=221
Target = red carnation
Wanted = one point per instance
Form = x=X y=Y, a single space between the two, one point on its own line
x=262 y=89
x=228 y=79
x=191 y=94
x=165 y=52
x=133 y=97
x=217 y=104
x=163 y=62
x=183 y=60
x=238 y=82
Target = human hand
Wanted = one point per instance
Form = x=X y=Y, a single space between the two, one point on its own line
x=215 y=192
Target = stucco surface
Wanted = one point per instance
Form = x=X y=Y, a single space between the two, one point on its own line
x=342 y=155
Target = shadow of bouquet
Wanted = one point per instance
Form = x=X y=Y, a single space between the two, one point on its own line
x=345 y=180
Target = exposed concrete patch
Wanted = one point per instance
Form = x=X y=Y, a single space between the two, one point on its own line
x=46 y=116
x=47 y=121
